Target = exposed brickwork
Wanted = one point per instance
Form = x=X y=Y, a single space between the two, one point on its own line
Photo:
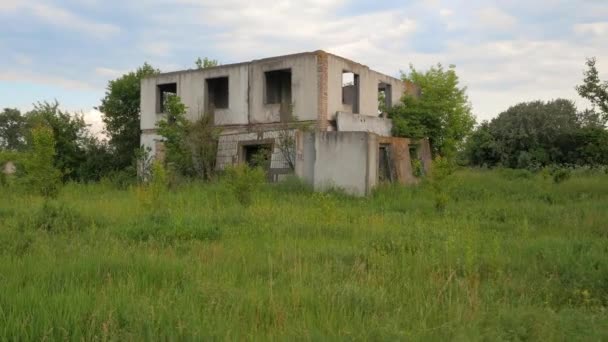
x=228 y=149
x=322 y=70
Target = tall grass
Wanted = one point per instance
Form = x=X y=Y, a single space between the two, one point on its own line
x=509 y=257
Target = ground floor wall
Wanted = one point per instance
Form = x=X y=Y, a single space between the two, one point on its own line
x=231 y=150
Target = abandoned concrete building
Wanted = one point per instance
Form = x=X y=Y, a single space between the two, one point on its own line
x=347 y=142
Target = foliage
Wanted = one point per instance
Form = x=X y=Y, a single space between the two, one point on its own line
x=560 y=175
x=205 y=63
x=174 y=129
x=595 y=91
x=70 y=133
x=508 y=259
x=98 y=161
x=535 y=134
x=442 y=168
x=12 y=128
x=41 y=176
x=243 y=181
x=202 y=139
x=286 y=140
x=191 y=148
x=442 y=112
x=121 y=112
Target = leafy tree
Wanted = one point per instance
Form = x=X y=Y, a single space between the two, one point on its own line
x=535 y=134
x=205 y=63
x=202 y=139
x=41 y=175
x=529 y=132
x=12 y=127
x=69 y=132
x=174 y=129
x=121 y=113
x=442 y=112
x=481 y=147
x=595 y=91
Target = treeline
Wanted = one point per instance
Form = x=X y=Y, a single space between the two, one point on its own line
x=77 y=154
x=536 y=134
x=528 y=135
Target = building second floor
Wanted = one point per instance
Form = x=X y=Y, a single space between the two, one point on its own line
x=310 y=86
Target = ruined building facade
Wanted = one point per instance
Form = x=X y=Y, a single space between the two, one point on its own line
x=347 y=141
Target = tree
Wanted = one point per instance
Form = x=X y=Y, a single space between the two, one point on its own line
x=174 y=129
x=121 y=113
x=594 y=90
x=442 y=112
x=205 y=63
x=40 y=173
x=69 y=132
x=481 y=147
x=202 y=139
x=12 y=127
x=536 y=134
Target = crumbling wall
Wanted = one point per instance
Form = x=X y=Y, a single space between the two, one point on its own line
x=230 y=145
x=348 y=122
x=347 y=160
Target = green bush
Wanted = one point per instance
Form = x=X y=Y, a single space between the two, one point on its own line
x=243 y=181
x=57 y=217
x=41 y=176
x=561 y=175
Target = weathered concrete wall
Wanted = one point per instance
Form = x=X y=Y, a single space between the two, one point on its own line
x=401 y=159
x=149 y=140
x=303 y=87
x=348 y=160
x=229 y=153
x=192 y=89
x=368 y=91
x=348 y=122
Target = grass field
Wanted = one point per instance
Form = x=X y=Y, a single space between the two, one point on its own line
x=512 y=257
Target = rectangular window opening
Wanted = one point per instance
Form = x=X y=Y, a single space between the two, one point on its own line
x=350 y=90
x=217 y=93
x=163 y=93
x=385 y=169
x=258 y=155
x=278 y=86
x=384 y=98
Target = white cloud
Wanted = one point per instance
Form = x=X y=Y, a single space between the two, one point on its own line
x=595 y=29
x=156 y=48
x=492 y=17
x=38 y=78
x=108 y=72
x=93 y=118
x=57 y=16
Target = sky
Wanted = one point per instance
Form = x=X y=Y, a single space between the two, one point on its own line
x=505 y=52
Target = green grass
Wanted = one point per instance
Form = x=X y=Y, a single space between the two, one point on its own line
x=512 y=257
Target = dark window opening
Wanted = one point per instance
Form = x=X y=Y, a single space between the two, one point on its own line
x=417 y=167
x=164 y=91
x=278 y=86
x=385 y=100
x=350 y=90
x=258 y=155
x=385 y=164
x=217 y=93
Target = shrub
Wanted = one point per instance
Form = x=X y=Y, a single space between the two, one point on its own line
x=41 y=176
x=560 y=175
x=442 y=169
x=57 y=217
x=243 y=181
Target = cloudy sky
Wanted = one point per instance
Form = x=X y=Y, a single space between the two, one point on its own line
x=505 y=51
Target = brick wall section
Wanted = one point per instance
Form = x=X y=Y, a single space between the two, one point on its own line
x=322 y=69
x=228 y=149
